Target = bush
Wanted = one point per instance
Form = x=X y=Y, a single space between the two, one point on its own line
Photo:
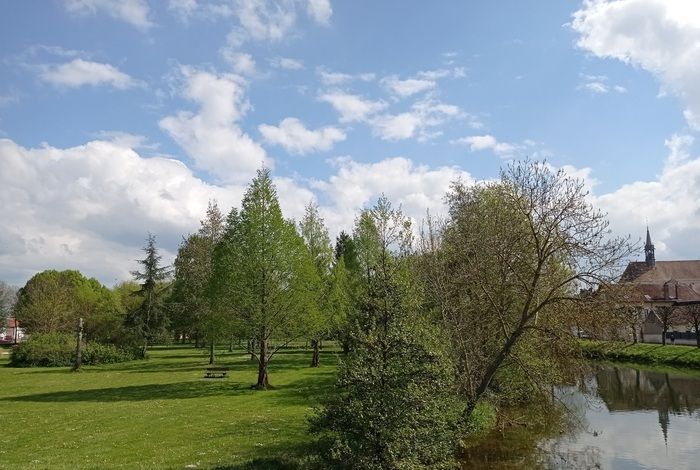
x=44 y=350
x=58 y=350
x=96 y=353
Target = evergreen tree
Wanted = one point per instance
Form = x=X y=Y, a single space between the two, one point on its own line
x=148 y=319
x=396 y=408
x=263 y=274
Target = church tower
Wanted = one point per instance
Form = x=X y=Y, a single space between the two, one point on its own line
x=649 y=251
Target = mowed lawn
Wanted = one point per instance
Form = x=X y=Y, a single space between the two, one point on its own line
x=161 y=413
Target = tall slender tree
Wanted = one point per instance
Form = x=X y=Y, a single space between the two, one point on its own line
x=149 y=319
x=264 y=275
x=317 y=241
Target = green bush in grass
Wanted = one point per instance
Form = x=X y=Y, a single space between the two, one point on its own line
x=58 y=350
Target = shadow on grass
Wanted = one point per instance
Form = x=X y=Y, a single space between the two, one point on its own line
x=270 y=463
x=181 y=390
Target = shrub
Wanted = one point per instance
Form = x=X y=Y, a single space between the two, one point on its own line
x=58 y=350
x=44 y=350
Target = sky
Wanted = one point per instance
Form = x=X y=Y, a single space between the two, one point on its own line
x=123 y=117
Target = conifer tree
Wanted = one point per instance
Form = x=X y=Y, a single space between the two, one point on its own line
x=264 y=275
x=149 y=319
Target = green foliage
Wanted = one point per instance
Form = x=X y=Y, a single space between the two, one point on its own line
x=44 y=350
x=263 y=273
x=148 y=320
x=397 y=408
x=642 y=353
x=52 y=301
x=58 y=350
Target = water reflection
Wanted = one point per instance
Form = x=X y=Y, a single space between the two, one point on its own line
x=627 y=419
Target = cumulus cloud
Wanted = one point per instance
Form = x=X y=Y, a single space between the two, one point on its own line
x=79 y=72
x=211 y=137
x=659 y=36
x=89 y=207
x=241 y=62
x=420 y=121
x=407 y=87
x=416 y=188
x=134 y=12
x=330 y=78
x=352 y=107
x=296 y=138
x=320 y=10
x=488 y=142
x=670 y=203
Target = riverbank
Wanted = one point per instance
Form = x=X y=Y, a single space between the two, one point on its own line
x=656 y=354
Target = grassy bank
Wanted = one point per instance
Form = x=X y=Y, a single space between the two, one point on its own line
x=160 y=413
x=656 y=354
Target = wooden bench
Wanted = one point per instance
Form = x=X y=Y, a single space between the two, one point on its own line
x=216 y=373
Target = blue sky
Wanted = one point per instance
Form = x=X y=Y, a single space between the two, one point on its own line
x=120 y=117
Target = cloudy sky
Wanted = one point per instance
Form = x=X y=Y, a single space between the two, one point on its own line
x=119 y=117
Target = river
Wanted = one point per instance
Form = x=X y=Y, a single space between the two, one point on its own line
x=623 y=418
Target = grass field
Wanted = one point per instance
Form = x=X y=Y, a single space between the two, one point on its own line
x=656 y=354
x=160 y=413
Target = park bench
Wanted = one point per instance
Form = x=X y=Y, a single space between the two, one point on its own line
x=216 y=372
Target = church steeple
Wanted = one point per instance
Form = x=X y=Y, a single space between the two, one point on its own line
x=649 y=251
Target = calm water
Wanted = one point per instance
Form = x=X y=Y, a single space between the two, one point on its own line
x=625 y=418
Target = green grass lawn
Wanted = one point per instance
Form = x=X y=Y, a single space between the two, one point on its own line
x=671 y=355
x=161 y=413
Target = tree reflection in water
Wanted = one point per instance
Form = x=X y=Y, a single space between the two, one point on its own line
x=623 y=418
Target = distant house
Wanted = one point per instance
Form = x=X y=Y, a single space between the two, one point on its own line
x=11 y=332
x=661 y=284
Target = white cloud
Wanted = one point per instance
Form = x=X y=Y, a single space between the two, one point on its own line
x=478 y=143
x=262 y=20
x=287 y=63
x=660 y=36
x=670 y=203
x=456 y=72
x=352 y=107
x=420 y=121
x=79 y=72
x=598 y=84
x=89 y=207
x=330 y=78
x=356 y=185
x=407 y=87
x=241 y=62
x=211 y=137
x=320 y=10
x=295 y=138
x=134 y=12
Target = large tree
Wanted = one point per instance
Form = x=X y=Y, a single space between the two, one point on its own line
x=52 y=301
x=396 y=407
x=264 y=275
x=148 y=319
x=317 y=241
x=193 y=272
x=506 y=269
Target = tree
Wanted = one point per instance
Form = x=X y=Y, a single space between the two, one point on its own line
x=397 y=407
x=507 y=268
x=149 y=319
x=263 y=274
x=193 y=273
x=8 y=299
x=52 y=301
x=317 y=241
x=668 y=316
x=691 y=314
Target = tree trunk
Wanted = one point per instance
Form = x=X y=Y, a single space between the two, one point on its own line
x=251 y=343
x=211 y=352
x=230 y=344
x=316 y=355
x=641 y=333
x=196 y=339
x=663 y=336
x=634 y=335
x=263 y=381
x=697 y=334
x=144 y=351
x=78 y=347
